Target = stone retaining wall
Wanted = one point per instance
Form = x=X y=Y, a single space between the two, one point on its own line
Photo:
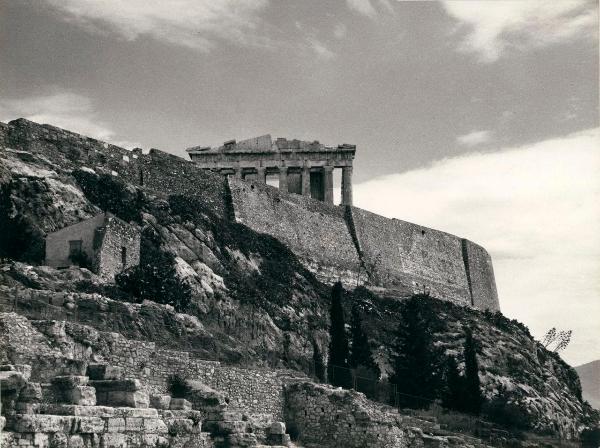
x=64 y=348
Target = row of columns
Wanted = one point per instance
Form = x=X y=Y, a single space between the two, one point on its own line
x=327 y=180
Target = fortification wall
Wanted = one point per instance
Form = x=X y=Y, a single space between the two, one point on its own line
x=481 y=276
x=315 y=231
x=399 y=255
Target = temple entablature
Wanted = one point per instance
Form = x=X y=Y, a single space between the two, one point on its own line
x=302 y=167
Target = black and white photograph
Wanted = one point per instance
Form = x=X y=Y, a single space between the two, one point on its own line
x=299 y=223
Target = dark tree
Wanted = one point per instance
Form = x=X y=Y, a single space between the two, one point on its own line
x=337 y=366
x=360 y=353
x=417 y=361
x=453 y=396
x=473 y=396
x=319 y=366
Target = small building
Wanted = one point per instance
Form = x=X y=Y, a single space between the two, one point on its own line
x=104 y=244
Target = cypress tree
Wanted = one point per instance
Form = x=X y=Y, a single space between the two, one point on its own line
x=473 y=396
x=318 y=362
x=454 y=393
x=337 y=366
x=416 y=363
x=360 y=353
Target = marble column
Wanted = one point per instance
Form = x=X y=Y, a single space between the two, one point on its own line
x=306 y=181
x=347 y=185
x=261 y=175
x=328 y=184
x=283 y=179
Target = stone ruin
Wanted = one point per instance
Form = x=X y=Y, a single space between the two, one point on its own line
x=304 y=168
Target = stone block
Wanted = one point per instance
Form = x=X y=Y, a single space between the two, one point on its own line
x=155 y=426
x=76 y=410
x=180 y=404
x=277 y=428
x=115 y=424
x=90 y=425
x=125 y=385
x=160 y=401
x=11 y=381
x=31 y=393
x=32 y=423
x=134 y=424
x=69 y=381
x=23 y=369
x=113 y=440
x=138 y=399
x=136 y=412
x=104 y=372
x=26 y=408
x=76 y=441
x=81 y=395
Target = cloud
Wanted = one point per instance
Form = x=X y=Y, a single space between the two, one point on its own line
x=474 y=138
x=196 y=24
x=320 y=49
x=63 y=109
x=497 y=26
x=363 y=7
x=535 y=208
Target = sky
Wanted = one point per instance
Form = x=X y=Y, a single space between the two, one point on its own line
x=479 y=118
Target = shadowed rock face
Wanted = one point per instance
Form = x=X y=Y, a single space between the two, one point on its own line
x=254 y=301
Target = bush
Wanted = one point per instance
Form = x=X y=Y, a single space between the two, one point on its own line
x=155 y=278
x=111 y=195
x=82 y=259
x=506 y=413
x=20 y=238
x=178 y=386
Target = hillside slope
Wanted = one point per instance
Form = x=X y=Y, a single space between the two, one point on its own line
x=251 y=302
x=589 y=374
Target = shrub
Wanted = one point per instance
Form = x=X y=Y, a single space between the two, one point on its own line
x=81 y=259
x=155 y=278
x=111 y=194
x=178 y=386
x=20 y=238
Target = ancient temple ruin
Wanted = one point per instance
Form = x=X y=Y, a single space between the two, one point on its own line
x=302 y=167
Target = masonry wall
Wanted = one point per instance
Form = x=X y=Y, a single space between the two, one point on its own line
x=58 y=348
x=325 y=417
x=399 y=254
x=481 y=276
x=116 y=236
x=315 y=231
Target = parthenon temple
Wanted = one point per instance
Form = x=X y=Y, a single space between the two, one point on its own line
x=303 y=167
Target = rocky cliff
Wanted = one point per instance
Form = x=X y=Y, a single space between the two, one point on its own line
x=233 y=294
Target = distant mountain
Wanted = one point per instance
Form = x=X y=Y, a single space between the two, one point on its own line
x=589 y=374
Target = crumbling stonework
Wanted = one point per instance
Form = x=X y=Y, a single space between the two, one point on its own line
x=324 y=417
